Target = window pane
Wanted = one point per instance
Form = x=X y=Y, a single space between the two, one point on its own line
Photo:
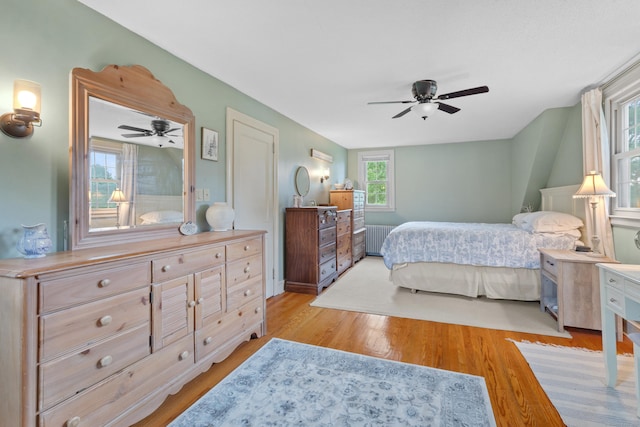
x=377 y=171
x=628 y=185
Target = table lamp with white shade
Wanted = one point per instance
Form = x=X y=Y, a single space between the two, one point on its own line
x=117 y=197
x=594 y=188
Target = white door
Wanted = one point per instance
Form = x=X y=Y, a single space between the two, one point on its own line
x=251 y=182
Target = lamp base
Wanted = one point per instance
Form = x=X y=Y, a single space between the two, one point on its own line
x=15 y=128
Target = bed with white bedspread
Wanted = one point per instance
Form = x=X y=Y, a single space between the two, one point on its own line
x=499 y=261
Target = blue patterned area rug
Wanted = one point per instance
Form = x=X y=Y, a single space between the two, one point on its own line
x=573 y=379
x=291 y=384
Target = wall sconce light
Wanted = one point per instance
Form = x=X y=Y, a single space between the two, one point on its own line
x=325 y=176
x=117 y=197
x=26 y=110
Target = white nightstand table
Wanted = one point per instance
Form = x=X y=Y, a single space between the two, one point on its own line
x=570 y=288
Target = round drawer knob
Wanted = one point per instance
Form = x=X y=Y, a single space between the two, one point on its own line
x=200 y=300
x=247 y=269
x=192 y=303
x=208 y=340
x=218 y=255
x=166 y=268
x=258 y=310
x=184 y=355
x=73 y=422
x=104 y=283
x=105 y=361
x=246 y=248
x=105 y=320
x=247 y=292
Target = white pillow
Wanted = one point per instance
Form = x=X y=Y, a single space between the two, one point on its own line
x=518 y=219
x=549 y=222
x=161 y=217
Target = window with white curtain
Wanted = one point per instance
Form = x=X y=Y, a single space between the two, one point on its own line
x=376 y=175
x=622 y=110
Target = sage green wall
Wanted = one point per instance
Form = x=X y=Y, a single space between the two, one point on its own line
x=485 y=181
x=465 y=182
x=47 y=40
x=533 y=153
x=567 y=166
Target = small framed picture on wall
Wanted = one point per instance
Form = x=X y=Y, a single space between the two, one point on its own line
x=209 y=144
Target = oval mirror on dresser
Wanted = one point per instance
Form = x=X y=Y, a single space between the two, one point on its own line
x=132 y=158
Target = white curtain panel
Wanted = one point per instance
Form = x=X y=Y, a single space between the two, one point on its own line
x=596 y=152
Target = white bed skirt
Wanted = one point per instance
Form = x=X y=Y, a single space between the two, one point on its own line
x=521 y=284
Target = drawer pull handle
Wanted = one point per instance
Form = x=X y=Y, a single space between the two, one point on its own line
x=246 y=248
x=192 y=303
x=200 y=300
x=247 y=292
x=105 y=320
x=72 y=422
x=166 y=268
x=104 y=283
x=208 y=340
x=257 y=310
x=613 y=300
x=550 y=263
x=612 y=280
x=218 y=255
x=105 y=361
x=247 y=269
x=184 y=355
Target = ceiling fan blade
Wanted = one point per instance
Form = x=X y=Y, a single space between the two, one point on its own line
x=391 y=102
x=466 y=92
x=135 y=135
x=402 y=113
x=127 y=127
x=447 y=108
x=172 y=130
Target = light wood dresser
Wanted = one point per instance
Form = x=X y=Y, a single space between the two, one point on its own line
x=100 y=337
x=354 y=200
x=310 y=245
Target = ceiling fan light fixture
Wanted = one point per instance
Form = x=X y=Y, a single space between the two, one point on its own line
x=424 y=109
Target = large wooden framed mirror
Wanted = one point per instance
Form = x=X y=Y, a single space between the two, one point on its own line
x=132 y=158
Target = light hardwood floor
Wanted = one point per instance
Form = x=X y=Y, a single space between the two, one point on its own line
x=516 y=397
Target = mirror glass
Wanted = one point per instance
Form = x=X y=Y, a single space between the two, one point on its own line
x=302 y=181
x=131 y=158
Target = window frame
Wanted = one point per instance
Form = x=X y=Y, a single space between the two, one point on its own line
x=378 y=155
x=616 y=93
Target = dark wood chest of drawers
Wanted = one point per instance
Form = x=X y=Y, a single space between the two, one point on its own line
x=310 y=239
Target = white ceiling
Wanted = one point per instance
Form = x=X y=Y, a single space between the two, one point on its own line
x=320 y=62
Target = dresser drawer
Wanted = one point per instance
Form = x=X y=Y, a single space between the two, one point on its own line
x=613 y=280
x=215 y=336
x=64 y=377
x=326 y=236
x=327 y=270
x=358 y=223
x=615 y=300
x=236 y=251
x=549 y=264
x=344 y=246
x=99 y=404
x=326 y=218
x=87 y=284
x=244 y=269
x=358 y=238
x=239 y=295
x=184 y=263
x=343 y=228
x=327 y=253
x=343 y=216
x=81 y=326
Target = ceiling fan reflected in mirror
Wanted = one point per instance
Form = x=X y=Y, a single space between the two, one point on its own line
x=159 y=127
x=424 y=94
